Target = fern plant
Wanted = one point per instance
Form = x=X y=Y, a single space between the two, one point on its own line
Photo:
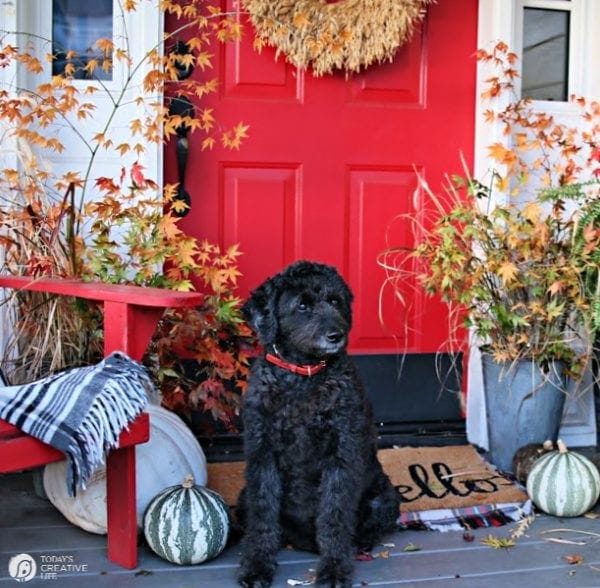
x=585 y=197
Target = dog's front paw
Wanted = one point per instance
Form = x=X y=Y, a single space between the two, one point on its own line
x=334 y=573
x=256 y=574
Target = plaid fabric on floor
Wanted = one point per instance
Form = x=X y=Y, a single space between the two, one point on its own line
x=474 y=517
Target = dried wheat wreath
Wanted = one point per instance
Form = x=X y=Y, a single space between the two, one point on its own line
x=348 y=34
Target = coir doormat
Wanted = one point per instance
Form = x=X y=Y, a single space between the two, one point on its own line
x=441 y=488
x=450 y=488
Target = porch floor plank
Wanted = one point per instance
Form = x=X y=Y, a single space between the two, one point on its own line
x=29 y=524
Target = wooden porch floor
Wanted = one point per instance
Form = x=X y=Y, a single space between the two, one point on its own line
x=29 y=524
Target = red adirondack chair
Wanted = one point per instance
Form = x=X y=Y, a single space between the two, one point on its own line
x=131 y=314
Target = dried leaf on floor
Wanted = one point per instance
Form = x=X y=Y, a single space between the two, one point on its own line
x=522 y=527
x=411 y=547
x=498 y=542
x=574 y=560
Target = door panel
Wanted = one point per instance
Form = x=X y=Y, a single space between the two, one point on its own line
x=330 y=165
x=260 y=206
x=373 y=192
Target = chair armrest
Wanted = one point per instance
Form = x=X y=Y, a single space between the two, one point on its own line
x=131 y=313
x=100 y=291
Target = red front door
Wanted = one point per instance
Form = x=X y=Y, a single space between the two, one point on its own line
x=330 y=163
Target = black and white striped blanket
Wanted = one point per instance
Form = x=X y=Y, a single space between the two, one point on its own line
x=81 y=411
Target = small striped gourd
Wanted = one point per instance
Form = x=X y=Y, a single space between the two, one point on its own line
x=187 y=524
x=564 y=483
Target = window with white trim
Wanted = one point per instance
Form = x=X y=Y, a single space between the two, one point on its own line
x=549 y=49
x=76 y=27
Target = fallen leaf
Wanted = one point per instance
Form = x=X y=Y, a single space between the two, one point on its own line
x=468 y=537
x=574 y=560
x=384 y=554
x=523 y=525
x=363 y=556
x=412 y=547
x=498 y=542
x=388 y=545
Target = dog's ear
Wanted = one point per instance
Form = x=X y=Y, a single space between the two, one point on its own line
x=347 y=298
x=259 y=311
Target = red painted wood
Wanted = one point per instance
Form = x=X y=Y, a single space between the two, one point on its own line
x=132 y=295
x=130 y=327
x=121 y=513
x=330 y=164
x=20 y=451
x=130 y=317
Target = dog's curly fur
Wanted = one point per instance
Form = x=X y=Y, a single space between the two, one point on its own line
x=312 y=475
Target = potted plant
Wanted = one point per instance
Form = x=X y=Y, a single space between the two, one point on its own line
x=517 y=272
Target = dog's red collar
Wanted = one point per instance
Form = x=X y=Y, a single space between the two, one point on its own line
x=303 y=370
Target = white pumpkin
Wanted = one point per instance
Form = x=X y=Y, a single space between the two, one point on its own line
x=564 y=483
x=171 y=453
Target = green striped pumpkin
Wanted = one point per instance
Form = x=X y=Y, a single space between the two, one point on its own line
x=187 y=524
x=564 y=483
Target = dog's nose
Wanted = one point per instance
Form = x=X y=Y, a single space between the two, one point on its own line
x=334 y=336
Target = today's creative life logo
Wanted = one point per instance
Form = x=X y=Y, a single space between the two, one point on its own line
x=22 y=567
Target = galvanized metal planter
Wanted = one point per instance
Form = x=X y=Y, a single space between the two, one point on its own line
x=523 y=404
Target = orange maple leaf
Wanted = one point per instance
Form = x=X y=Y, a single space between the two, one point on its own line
x=208 y=143
x=501 y=154
x=136 y=126
x=556 y=287
x=532 y=211
x=168 y=226
x=507 y=272
x=186 y=252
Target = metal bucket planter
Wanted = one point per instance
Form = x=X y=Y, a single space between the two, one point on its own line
x=523 y=405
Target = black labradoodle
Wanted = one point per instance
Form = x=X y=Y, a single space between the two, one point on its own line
x=313 y=479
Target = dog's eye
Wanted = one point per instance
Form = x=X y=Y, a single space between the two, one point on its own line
x=302 y=307
x=334 y=302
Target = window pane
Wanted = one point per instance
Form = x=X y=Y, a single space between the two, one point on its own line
x=76 y=26
x=545 y=54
